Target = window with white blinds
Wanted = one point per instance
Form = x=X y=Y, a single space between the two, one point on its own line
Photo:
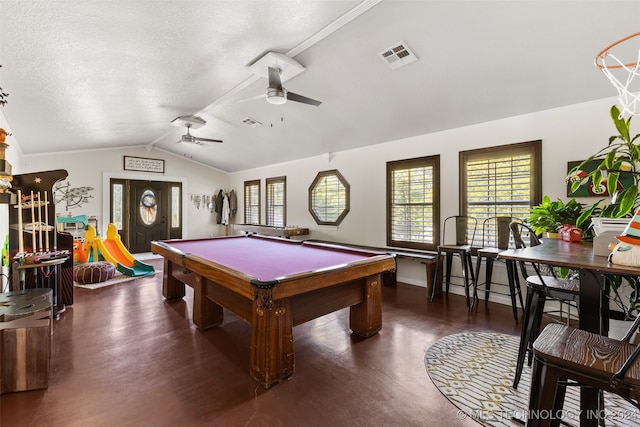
x=252 y=202
x=276 y=201
x=413 y=203
x=500 y=181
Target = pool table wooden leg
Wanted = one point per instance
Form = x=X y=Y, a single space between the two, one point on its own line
x=171 y=287
x=206 y=313
x=271 y=353
x=365 y=318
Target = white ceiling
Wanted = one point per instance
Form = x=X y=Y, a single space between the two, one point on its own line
x=85 y=75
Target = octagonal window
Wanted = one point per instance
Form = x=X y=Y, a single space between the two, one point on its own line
x=329 y=198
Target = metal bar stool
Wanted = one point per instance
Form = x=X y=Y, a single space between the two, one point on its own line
x=495 y=239
x=563 y=353
x=539 y=289
x=464 y=228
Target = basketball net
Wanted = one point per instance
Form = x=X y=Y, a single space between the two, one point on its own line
x=622 y=75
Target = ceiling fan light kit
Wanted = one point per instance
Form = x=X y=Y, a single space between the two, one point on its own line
x=275 y=96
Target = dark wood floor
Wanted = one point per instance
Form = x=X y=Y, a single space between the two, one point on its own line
x=122 y=356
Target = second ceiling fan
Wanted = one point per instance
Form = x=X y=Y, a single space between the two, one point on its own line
x=192 y=122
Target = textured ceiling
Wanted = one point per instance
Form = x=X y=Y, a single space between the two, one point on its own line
x=103 y=74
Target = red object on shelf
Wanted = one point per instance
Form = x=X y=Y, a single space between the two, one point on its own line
x=570 y=233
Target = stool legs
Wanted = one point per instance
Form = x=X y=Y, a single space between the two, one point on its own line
x=530 y=329
x=513 y=283
x=514 y=288
x=467 y=272
x=436 y=273
x=447 y=271
x=475 y=283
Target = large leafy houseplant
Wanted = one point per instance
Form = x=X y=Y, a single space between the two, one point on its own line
x=620 y=156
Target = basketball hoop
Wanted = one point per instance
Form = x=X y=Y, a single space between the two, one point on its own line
x=621 y=75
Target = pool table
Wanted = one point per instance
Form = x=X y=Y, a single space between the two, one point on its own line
x=274 y=284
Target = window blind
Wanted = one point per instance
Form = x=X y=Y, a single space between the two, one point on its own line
x=276 y=200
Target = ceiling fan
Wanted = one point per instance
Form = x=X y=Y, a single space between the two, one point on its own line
x=192 y=122
x=276 y=94
x=279 y=67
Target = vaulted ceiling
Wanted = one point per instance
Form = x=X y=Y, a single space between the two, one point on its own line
x=102 y=74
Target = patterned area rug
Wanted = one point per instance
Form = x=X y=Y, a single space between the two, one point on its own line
x=475 y=370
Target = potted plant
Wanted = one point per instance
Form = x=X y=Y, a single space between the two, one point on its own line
x=620 y=156
x=548 y=216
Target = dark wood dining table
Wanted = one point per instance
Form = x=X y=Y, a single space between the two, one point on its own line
x=593 y=308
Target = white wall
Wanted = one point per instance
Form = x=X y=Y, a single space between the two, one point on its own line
x=568 y=134
x=95 y=168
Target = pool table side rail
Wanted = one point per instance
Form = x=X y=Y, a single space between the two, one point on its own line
x=313 y=280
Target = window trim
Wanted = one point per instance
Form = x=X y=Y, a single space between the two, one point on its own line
x=269 y=206
x=345 y=184
x=251 y=183
x=433 y=161
x=534 y=148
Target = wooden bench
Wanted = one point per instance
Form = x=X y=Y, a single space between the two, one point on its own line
x=428 y=258
x=25 y=339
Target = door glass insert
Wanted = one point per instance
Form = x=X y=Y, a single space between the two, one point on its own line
x=175 y=207
x=148 y=207
x=117 y=203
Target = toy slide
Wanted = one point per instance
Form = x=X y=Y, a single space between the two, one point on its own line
x=111 y=249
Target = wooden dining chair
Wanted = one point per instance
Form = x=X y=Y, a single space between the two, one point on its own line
x=496 y=236
x=568 y=356
x=463 y=228
x=540 y=288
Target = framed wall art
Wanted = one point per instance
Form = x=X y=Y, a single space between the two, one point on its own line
x=587 y=188
x=143 y=164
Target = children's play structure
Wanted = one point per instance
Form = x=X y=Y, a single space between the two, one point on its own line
x=111 y=249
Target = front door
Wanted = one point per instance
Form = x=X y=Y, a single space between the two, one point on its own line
x=148 y=215
x=149 y=210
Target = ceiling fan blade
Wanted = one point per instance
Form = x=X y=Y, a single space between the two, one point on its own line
x=303 y=99
x=198 y=139
x=274 y=79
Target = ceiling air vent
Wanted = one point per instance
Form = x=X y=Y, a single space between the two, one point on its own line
x=398 y=55
x=251 y=122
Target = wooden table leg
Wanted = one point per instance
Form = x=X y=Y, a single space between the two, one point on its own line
x=206 y=313
x=271 y=353
x=365 y=318
x=591 y=301
x=171 y=287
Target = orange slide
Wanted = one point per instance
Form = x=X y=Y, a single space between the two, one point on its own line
x=113 y=250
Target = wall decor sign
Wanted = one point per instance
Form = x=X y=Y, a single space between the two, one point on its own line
x=143 y=164
x=587 y=188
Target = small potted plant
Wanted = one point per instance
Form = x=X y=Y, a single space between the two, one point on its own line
x=547 y=217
